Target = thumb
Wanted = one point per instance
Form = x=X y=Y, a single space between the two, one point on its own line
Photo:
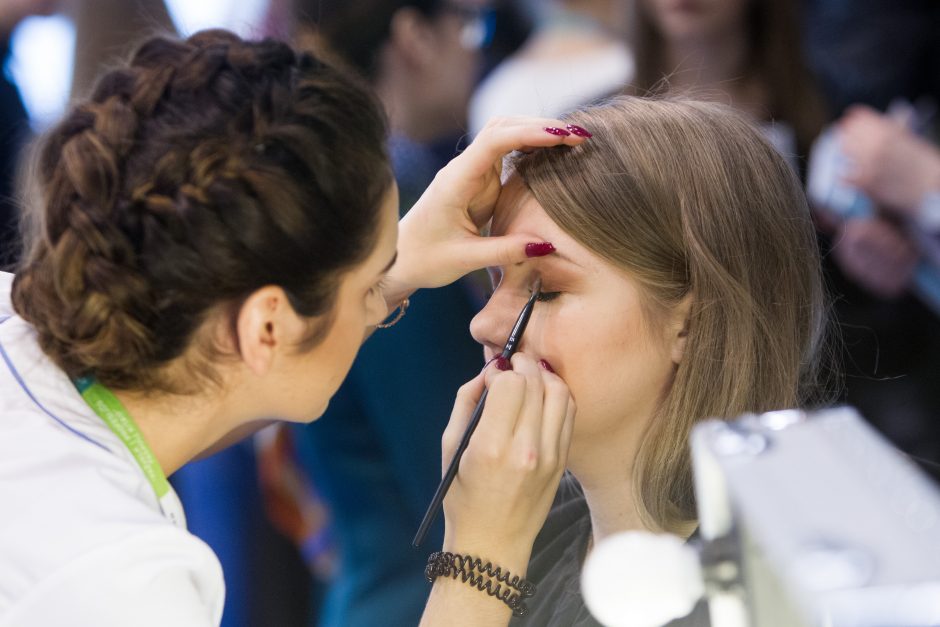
x=505 y=250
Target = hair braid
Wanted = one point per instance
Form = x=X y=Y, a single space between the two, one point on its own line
x=203 y=170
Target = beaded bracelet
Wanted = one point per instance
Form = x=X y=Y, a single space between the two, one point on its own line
x=511 y=590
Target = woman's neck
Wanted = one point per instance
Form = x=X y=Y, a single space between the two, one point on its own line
x=605 y=472
x=178 y=428
x=611 y=502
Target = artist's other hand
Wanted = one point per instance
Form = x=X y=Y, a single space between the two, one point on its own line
x=876 y=255
x=510 y=472
x=890 y=164
x=440 y=240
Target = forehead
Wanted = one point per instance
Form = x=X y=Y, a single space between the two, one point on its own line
x=517 y=211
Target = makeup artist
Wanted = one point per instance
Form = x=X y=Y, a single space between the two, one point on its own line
x=216 y=232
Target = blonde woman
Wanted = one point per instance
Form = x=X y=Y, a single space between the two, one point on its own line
x=686 y=285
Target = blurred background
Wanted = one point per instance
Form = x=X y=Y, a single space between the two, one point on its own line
x=313 y=524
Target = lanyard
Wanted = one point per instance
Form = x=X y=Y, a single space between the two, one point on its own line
x=104 y=403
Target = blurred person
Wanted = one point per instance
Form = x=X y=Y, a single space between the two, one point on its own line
x=742 y=53
x=875 y=184
x=423 y=59
x=14 y=124
x=576 y=52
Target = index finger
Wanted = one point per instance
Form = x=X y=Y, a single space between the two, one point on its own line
x=504 y=135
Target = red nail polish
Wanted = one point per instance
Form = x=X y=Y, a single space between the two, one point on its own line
x=539 y=249
x=546 y=365
x=579 y=131
x=554 y=130
x=503 y=364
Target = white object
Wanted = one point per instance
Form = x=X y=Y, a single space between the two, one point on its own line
x=82 y=539
x=521 y=86
x=830 y=525
x=42 y=53
x=639 y=579
x=240 y=16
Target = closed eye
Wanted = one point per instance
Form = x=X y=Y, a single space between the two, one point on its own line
x=545 y=297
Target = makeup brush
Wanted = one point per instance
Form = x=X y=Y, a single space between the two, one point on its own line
x=508 y=350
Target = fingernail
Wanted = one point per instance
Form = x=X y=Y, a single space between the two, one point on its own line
x=502 y=363
x=539 y=249
x=579 y=131
x=554 y=130
x=546 y=365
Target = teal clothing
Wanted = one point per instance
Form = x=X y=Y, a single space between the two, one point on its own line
x=375 y=457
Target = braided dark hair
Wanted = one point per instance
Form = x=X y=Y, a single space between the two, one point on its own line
x=200 y=172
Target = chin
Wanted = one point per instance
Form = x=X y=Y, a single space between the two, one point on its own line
x=316 y=414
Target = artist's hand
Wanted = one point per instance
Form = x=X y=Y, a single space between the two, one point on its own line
x=510 y=471
x=876 y=255
x=440 y=240
x=889 y=163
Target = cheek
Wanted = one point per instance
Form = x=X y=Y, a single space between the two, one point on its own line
x=614 y=370
x=351 y=332
x=339 y=349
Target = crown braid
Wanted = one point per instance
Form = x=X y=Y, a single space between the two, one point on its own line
x=202 y=171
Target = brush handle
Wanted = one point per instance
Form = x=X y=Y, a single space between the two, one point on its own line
x=448 y=478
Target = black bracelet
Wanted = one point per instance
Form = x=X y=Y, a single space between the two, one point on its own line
x=511 y=590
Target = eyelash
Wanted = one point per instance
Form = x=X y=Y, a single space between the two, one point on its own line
x=545 y=297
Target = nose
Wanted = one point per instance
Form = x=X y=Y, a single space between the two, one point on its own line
x=491 y=326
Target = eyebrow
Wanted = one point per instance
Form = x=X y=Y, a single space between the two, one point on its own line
x=555 y=255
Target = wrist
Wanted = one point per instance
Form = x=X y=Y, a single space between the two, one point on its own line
x=514 y=558
x=486 y=576
x=395 y=291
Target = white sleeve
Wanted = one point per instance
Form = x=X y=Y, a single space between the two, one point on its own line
x=158 y=578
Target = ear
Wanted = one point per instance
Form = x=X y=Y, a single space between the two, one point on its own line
x=411 y=38
x=679 y=328
x=263 y=326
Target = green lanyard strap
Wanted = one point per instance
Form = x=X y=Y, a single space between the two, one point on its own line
x=104 y=403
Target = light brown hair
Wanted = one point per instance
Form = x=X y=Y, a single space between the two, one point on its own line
x=691 y=200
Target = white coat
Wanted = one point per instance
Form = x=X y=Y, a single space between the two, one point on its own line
x=83 y=541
